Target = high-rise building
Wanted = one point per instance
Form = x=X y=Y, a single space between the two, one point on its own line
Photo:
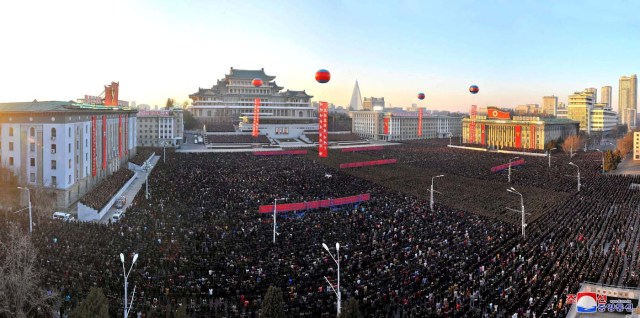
x=628 y=100
x=550 y=105
x=594 y=93
x=605 y=96
x=356 y=98
x=580 y=105
x=373 y=103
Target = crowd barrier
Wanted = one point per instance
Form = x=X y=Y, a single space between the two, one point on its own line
x=506 y=165
x=301 y=206
x=280 y=153
x=367 y=163
x=353 y=149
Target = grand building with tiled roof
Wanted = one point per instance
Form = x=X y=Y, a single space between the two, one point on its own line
x=285 y=113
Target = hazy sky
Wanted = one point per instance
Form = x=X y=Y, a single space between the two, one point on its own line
x=515 y=51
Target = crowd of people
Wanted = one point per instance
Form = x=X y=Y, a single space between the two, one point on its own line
x=203 y=244
x=99 y=196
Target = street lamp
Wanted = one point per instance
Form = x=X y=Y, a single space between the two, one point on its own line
x=602 y=152
x=126 y=285
x=30 y=221
x=550 y=156
x=573 y=164
x=512 y=190
x=431 y=201
x=146 y=167
x=275 y=205
x=510 y=160
x=338 y=293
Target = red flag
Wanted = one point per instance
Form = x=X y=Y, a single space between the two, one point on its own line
x=571 y=299
x=496 y=113
x=386 y=125
x=518 y=136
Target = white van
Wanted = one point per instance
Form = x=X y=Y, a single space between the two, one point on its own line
x=62 y=216
x=117 y=216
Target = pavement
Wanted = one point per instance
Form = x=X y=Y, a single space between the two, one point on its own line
x=133 y=189
x=628 y=166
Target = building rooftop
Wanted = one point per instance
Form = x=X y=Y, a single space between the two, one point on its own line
x=250 y=74
x=50 y=106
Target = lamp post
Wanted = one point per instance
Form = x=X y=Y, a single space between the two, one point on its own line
x=126 y=285
x=512 y=190
x=146 y=167
x=275 y=206
x=431 y=201
x=30 y=221
x=338 y=293
x=550 y=156
x=602 y=152
x=573 y=164
x=510 y=160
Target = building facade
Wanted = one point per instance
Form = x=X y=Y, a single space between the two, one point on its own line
x=399 y=126
x=157 y=128
x=605 y=96
x=603 y=119
x=525 y=132
x=550 y=105
x=636 y=145
x=580 y=105
x=373 y=103
x=65 y=147
x=231 y=100
x=628 y=100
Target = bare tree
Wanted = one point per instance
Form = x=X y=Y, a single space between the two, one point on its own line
x=572 y=144
x=625 y=144
x=20 y=292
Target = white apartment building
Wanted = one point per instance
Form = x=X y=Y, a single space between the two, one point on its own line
x=65 y=147
x=160 y=127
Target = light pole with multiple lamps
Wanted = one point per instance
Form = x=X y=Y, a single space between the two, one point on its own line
x=512 y=190
x=431 y=200
x=338 y=293
x=275 y=207
x=30 y=220
x=575 y=165
x=510 y=160
x=146 y=167
x=550 y=156
x=127 y=308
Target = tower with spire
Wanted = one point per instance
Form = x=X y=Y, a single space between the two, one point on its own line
x=356 y=99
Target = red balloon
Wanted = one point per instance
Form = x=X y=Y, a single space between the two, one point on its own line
x=421 y=96
x=323 y=76
x=256 y=82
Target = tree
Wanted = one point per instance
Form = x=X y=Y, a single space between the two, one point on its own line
x=572 y=144
x=190 y=122
x=170 y=103
x=273 y=304
x=625 y=144
x=351 y=310
x=611 y=160
x=9 y=192
x=20 y=292
x=95 y=305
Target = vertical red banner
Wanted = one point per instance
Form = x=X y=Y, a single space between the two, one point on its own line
x=472 y=124
x=532 y=137
x=483 y=127
x=385 y=125
x=125 y=138
x=120 y=136
x=420 y=122
x=104 y=142
x=94 y=141
x=518 y=136
x=323 y=132
x=256 y=118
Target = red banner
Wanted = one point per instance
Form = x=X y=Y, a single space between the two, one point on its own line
x=532 y=137
x=483 y=127
x=94 y=137
x=496 y=113
x=280 y=152
x=367 y=163
x=518 y=136
x=472 y=124
x=385 y=126
x=323 y=132
x=420 y=122
x=506 y=165
x=286 y=207
x=120 y=136
x=104 y=142
x=256 y=117
x=354 y=149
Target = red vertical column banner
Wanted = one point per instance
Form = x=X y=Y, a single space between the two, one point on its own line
x=532 y=137
x=323 y=132
x=256 y=118
x=125 y=137
x=419 y=122
x=385 y=125
x=518 y=136
x=483 y=135
x=120 y=136
x=104 y=142
x=472 y=124
x=94 y=141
